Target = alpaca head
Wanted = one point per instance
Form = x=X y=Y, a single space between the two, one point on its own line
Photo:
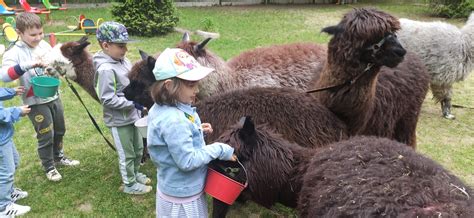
x=75 y=50
x=206 y=58
x=56 y=64
x=266 y=156
x=366 y=36
x=141 y=78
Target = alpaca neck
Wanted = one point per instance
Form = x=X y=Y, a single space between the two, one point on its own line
x=301 y=159
x=216 y=82
x=352 y=103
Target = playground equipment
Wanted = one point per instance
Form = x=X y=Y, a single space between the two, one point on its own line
x=2 y=2
x=88 y=26
x=49 y=6
x=26 y=6
x=4 y=11
x=9 y=33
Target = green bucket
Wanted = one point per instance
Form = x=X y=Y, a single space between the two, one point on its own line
x=45 y=87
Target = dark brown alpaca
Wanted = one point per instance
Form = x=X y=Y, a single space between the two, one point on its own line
x=295 y=115
x=81 y=60
x=376 y=177
x=359 y=177
x=375 y=99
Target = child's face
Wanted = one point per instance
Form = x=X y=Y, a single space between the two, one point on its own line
x=32 y=36
x=188 y=91
x=115 y=50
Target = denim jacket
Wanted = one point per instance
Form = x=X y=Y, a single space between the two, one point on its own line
x=177 y=148
x=7 y=115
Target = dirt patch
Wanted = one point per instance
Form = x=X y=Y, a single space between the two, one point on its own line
x=85 y=207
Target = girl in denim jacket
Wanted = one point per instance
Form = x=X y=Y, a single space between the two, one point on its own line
x=175 y=137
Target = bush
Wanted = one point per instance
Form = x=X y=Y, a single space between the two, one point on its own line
x=452 y=8
x=146 y=17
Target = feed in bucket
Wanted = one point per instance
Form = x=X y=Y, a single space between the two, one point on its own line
x=141 y=125
x=222 y=187
x=44 y=86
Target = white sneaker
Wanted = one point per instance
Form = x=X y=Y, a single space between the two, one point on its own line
x=137 y=189
x=53 y=175
x=67 y=162
x=18 y=194
x=143 y=179
x=13 y=210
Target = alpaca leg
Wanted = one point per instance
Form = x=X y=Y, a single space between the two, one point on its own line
x=405 y=131
x=442 y=93
x=446 y=108
x=219 y=208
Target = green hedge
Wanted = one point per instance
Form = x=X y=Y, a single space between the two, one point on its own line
x=452 y=8
x=146 y=17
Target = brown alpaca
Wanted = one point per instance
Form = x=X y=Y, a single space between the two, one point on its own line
x=81 y=60
x=290 y=65
x=295 y=115
x=372 y=99
x=359 y=177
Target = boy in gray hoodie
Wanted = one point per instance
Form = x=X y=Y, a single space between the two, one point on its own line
x=47 y=114
x=120 y=114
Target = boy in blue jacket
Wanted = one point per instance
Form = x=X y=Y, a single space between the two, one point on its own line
x=9 y=158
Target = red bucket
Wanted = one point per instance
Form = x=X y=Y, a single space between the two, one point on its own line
x=222 y=187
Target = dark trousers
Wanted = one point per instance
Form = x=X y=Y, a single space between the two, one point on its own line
x=48 y=121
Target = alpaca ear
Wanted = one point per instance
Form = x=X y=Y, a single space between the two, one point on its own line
x=83 y=43
x=186 y=37
x=143 y=54
x=150 y=62
x=332 y=30
x=201 y=45
x=247 y=131
x=83 y=39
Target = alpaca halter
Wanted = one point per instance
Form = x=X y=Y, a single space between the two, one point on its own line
x=375 y=48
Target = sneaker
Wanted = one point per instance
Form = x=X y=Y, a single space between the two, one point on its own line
x=53 y=175
x=67 y=162
x=137 y=189
x=18 y=194
x=143 y=179
x=13 y=210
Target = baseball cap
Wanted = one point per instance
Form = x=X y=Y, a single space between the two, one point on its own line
x=175 y=62
x=112 y=32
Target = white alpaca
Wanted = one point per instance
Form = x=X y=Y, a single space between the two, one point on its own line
x=56 y=64
x=446 y=50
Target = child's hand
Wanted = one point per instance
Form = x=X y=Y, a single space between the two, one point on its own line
x=19 y=90
x=33 y=64
x=25 y=109
x=233 y=158
x=206 y=128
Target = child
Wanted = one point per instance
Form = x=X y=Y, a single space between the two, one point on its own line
x=47 y=114
x=175 y=137
x=9 y=158
x=119 y=114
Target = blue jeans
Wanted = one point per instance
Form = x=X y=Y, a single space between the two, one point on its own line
x=9 y=160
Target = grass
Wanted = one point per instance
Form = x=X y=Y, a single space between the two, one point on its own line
x=92 y=189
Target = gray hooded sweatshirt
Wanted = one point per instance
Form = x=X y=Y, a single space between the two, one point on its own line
x=110 y=79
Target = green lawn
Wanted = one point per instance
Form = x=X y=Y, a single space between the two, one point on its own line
x=92 y=189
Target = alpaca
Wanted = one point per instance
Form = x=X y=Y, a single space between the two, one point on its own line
x=368 y=93
x=289 y=65
x=296 y=115
x=56 y=64
x=447 y=52
x=81 y=60
x=376 y=177
x=358 y=177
